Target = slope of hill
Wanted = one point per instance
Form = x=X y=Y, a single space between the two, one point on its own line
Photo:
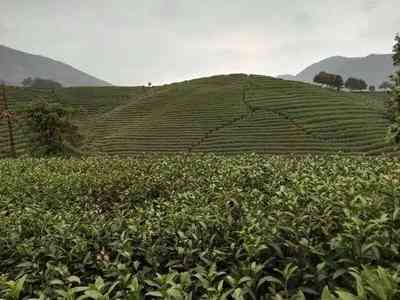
x=374 y=69
x=287 y=77
x=16 y=65
x=227 y=114
x=92 y=102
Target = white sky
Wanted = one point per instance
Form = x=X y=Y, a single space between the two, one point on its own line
x=131 y=42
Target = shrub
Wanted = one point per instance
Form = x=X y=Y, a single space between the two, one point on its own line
x=198 y=227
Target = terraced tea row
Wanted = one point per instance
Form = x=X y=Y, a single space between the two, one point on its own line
x=347 y=125
x=230 y=113
x=171 y=121
x=90 y=102
x=281 y=136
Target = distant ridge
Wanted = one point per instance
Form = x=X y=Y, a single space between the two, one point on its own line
x=374 y=68
x=16 y=65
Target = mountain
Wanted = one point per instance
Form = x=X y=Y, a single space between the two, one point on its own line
x=226 y=114
x=374 y=68
x=16 y=65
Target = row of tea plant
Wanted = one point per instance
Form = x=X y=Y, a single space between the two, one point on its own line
x=200 y=227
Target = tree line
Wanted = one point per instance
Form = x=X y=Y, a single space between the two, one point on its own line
x=352 y=83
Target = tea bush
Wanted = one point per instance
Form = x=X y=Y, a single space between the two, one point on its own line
x=200 y=227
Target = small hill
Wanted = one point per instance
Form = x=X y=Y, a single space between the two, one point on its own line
x=374 y=69
x=224 y=114
x=16 y=65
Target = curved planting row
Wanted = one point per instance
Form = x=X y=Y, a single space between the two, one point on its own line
x=230 y=113
x=174 y=120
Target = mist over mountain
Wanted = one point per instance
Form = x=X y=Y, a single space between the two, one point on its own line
x=374 y=68
x=16 y=65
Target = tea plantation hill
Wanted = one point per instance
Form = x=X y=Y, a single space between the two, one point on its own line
x=226 y=114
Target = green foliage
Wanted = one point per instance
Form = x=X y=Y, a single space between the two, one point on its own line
x=200 y=227
x=393 y=134
x=370 y=283
x=355 y=84
x=12 y=289
x=51 y=129
x=396 y=51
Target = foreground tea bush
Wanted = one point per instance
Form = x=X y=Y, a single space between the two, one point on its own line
x=200 y=227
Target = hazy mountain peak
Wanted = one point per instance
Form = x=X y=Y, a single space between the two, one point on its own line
x=17 y=65
x=374 y=68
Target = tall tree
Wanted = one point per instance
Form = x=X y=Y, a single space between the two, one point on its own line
x=394 y=130
x=51 y=131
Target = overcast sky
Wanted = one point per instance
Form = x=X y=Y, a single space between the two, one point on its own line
x=131 y=42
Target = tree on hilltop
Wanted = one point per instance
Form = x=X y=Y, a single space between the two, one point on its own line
x=328 y=79
x=324 y=78
x=355 y=84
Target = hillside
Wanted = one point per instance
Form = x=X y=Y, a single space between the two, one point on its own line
x=225 y=114
x=16 y=65
x=374 y=69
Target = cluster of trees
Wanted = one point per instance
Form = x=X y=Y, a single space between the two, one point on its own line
x=355 y=84
x=41 y=83
x=328 y=79
x=394 y=103
x=336 y=81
